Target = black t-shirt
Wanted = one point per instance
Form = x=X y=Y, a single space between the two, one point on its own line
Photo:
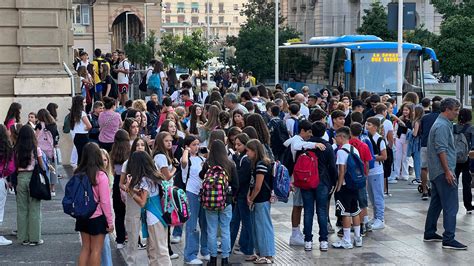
x=266 y=189
x=244 y=172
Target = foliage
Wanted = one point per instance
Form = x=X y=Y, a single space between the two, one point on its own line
x=421 y=36
x=375 y=23
x=260 y=12
x=168 y=48
x=450 y=8
x=142 y=52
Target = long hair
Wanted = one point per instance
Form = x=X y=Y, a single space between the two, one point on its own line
x=233 y=131
x=218 y=157
x=142 y=165
x=109 y=169
x=91 y=162
x=135 y=143
x=13 y=113
x=411 y=97
x=159 y=146
x=213 y=118
x=172 y=79
x=217 y=134
x=165 y=127
x=195 y=119
x=260 y=155
x=251 y=132
x=6 y=149
x=238 y=112
x=121 y=148
x=76 y=110
x=256 y=121
x=410 y=107
x=419 y=112
x=105 y=71
x=53 y=110
x=127 y=124
x=45 y=117
x=25 y=146
x=177 y=121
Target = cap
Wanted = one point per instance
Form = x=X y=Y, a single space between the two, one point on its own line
x=318 y=95
x=289 y=90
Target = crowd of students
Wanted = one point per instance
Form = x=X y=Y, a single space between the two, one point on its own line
x=133 y=151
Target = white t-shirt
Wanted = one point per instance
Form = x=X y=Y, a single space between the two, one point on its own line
x=202 y=96
x=80 y=127
x=162 y=162
x=194 y=182
x=176 y=96
x=147 y=185
x=122 y=77
x=290 y=124
x=387 y=125
x=124 y=167
x=82 y=63
x=378 y=166
x=149 y=72
x=343 y=155
x=304 y=111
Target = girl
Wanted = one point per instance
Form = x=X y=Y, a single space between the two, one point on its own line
x=109 y=122
x=119 y=154
x=106 y=82
x=7 y=167
x=238 y=119
x=403 y=125
x=53 y=110
x=197 y=118
x=79 y=124
x=211 y=124
x=32 y=119
x=241 y=212
x=224 y=119
x=231 y=135
x=144 y=187
x=131 y=126
x=13 y=116
x=155 y=81
x=177 y=144
x=94 y=229
x=173 y=82
x=167 y=108
x=214 y=219
x=106 y=256
x=415 y=144
x=173 y=117
x=258 y=200
x=86 y=81
x=256 y=121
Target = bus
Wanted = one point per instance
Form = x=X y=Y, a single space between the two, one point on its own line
x=354 y=63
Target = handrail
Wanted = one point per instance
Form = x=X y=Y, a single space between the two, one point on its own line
x=71 y=76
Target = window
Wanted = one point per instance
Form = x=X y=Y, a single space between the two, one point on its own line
x=236 y=19
x=236 y=6
x=221 y=20
x=194 y=20
x=221 y=7
x=181 y=19
x=168 y=7
x=167 y=19
x=180 y=8
x=194 y=7
x=81 y=14
x=210 y=8
x=210 y=20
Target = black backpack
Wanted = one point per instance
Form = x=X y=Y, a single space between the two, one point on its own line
x=143 y=86
x=287 y=160
x=278 y=135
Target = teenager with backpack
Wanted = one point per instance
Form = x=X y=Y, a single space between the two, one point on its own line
x=278 y=132
x=79 y=124
x=154 y=82
x=94 y=228
x=98 y=73
x=293 y=120
x=7 y=167
x=219 y=189
x=123 y=71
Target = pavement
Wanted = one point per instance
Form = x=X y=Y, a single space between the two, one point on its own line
x=399 y=243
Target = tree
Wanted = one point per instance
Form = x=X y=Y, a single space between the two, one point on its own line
x=260 y=12
x=421 y=36
x=193 y=51
x=168 y=49
x=142 y=52
x=374 y=22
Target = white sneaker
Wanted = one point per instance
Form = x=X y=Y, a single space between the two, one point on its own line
x=308 y=246
x=296 y=240
x=120 y=246
x=175 y=239
x=358 y=241
x=377 y=225
x=174 y=256
x=11 y=191
x=238 y=252
x=4 y=241
x=393 y=181
x=194 y=262
x=53 y=193
x=323 y=246
x=207 y=257
x=342 y=244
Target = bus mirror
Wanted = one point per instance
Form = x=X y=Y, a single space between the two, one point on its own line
x=347 y=66
x=435 y=66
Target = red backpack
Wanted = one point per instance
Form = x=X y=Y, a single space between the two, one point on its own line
x=305 y=172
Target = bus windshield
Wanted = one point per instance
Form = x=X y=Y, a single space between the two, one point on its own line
x=376 y=71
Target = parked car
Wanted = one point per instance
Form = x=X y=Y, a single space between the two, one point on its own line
x=429 y=78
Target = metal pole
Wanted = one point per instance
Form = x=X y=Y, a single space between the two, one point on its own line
x=400 y=54
x=277 y=79
x=208 y=41
x=145 y=6
x=126 y=28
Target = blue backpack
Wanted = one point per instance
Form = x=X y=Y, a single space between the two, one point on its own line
x=281 y=182
x=154 y=82
x=355 y=178
x=78 y=198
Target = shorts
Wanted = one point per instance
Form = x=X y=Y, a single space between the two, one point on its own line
x=94 y=226
x=362 y=198
x=424 y=157
x=346 y=202
x=99 y=87
x=123 y=88
x=297 y=198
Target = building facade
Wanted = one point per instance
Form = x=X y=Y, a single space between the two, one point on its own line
x=184 y=16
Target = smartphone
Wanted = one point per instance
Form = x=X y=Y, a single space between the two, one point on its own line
x=203 y=150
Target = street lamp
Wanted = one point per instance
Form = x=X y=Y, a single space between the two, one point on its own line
x=126 y=25
x=400 y=53
x=145 y=7
x=208 y=41
x=276 y=43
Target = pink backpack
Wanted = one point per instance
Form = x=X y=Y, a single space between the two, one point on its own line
x=45 y=141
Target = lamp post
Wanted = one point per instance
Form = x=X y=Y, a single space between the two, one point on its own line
x=208 y=41
x=126 y=25
x=277 y=79
x=145 y=7
x=400 y=53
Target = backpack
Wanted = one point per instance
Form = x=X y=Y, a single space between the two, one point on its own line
x=215 y=187
x=462 y=146
x=281 y=182
x=287 y=160
x=306 y=173
x=78 y=199
x=331 y=135
x=143 y=86
x=278 y=135
x=45 y=141
x=67 y=124
x=296 y=126
x=178 y=180
x=355 y=177
x=175 y=204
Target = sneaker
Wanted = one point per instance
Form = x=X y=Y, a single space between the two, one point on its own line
x=141 y=246
x=415 y=182
x=53 y=193
x=393 y=181
x=207 y=257
x=308 y=245
x=14 y=232
x=433 y=238
x=323 y=246
x=296 y=240
x=358 y=241
x=175 y=239
x=194 y=262
x=4 y=241
x=362 y=229
x=330 y=229
x=469 y=212
x=368 y=227
x=378 y=225
x=340 y=233
x=25 y=243
x=425 y=196
x=238 y=252
x=11 y=191
x=40 y=242
x=120 y=245
x=454 y=245
x=342 y=244
x=174 y=256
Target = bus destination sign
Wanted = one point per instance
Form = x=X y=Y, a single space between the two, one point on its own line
x=384 y=58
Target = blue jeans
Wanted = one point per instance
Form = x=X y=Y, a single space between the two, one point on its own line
x=178 y=230
x=443 y=197
x=320 y=196
x=376 y=190
x=262 y=229
x=220 y=219
x=417 y=164
x=106 y=256
x=191 y=244
x=241 y=213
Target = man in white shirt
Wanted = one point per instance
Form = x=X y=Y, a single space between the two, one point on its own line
x=304 y=110
x=123 y=70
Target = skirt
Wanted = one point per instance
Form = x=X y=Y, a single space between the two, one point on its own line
x=93 y=226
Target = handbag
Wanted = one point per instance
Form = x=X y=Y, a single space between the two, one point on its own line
x=39 y=183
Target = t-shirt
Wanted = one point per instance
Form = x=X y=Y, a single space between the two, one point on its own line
x=122 y=77
x=31 y=166
x=378 y=166
x=188 y=103
x=304 y=111
x=124 y=167
x=162 y=162
x=290 y=124
x=109 y=122
x=194 y=183
x=202 y=96
x=265 y=193
x=80 y=127
x=343 y=155
x=153 y=190
x=387 y=125
x=363 y=150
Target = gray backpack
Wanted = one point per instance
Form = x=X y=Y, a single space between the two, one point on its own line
x=462 y=147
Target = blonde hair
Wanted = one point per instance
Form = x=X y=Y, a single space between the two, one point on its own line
x=139 y=105
x=109 y=170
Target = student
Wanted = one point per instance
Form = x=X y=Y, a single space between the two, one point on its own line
x=79 y=124
x=415 y=144
x=386 y=127
x=256 y=121
x=292 y=121
x=144 y=187
x=32 y=119
x=403 y=126
x=123 y=71
x=197 y=118
x=336 y=120
x=94 y=229
x=188 y=102
x=347 y=204
x=13 y=116
x=238 y=119
x=86 y=81
x=131 y=126
x=154 y=81
x=109 y=123
x=203 y=94
x=211 y=124
x=7 y=167
x=375 y=179
x=94 y=132
x=278 y=132
x=106 y=256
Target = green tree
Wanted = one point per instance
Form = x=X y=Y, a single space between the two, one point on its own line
x=193 y=51
x=168 y=49
x=141 y=53
x=374 y=22
x=421 y=36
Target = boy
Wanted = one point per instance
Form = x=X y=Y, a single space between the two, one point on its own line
x=375 y=179
x=186 y=100
x=203 y=93
x=347 y=204
x=278 y=132
x=337 y=120
x=97 y=108
x=292 y=121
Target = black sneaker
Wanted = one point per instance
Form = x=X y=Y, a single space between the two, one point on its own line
x=433 y=238
x=340 y=233
x=454 y=245
x=362 y=231
x=425 y=196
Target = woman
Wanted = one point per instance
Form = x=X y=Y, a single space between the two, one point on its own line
x=94 y=229
x=256 y=121
x=173 y=82
x=119 y=154
x=197 y=118
x=238 y=119
x=144 y=187
x=258 y=200
x=241 y=212
x=131 y=126
x=7 y=167
x=28 y=154
x=47 y=122
x=220 y=218
x=155 y=82
x=79 y=124
x=415 y=144
x=403 y=125
x=109 y=122
x=211 y=124
x=13 y=115
x=53 y=110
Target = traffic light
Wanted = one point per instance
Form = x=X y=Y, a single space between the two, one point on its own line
x=222 y=55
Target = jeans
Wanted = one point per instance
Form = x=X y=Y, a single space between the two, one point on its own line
x=463 y=168
x=106 y=257
x=3 y=197
x=178 y=230
x=192 y=241
x=220 y=219
x=443 y=197
x=417 y=164
x=119 y=210
x=241 y=213
x=262 y=229
x=80 y=140
x=376 y=190
x=320 y=196
x=28 y=210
